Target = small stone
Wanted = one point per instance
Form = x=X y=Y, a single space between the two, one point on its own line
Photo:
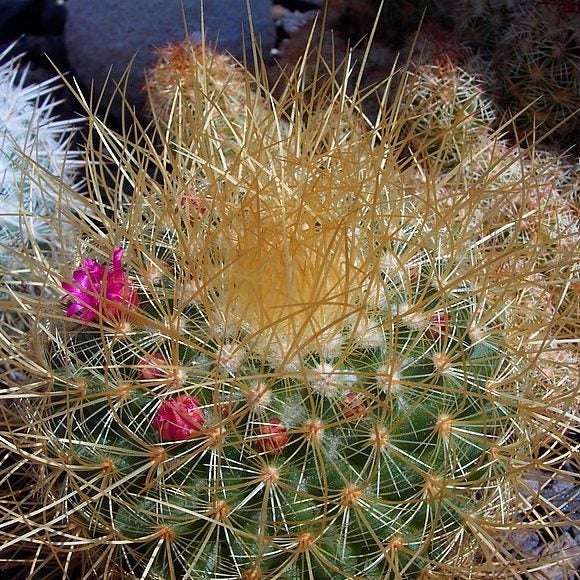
x=291 y=21
x=563 y=494
x=565 y=553
x=526 y=541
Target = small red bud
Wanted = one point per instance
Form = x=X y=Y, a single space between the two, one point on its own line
x=151 y=367
x=225 y=408
x=273 y=436
x=353 y=407
x=179 y=418
x=194 y=202
x=438 y=325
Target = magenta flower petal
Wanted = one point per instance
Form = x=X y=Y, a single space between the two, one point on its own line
x=82 y=278
x=74 y=309
x=118 y=259
x=92 y=267
x=100 y=290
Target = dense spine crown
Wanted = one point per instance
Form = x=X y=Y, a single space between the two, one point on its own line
x=276 y=364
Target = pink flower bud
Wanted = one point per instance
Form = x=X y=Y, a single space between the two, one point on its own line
x=178 y=418
x=273 y=437
x=353 y=407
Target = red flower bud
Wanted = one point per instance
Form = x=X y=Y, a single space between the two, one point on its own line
x=179 y=418
x=150 y=367
x=353 y=407
x=273 y=437
x=438 y=324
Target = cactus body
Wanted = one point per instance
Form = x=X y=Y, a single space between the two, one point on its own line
x=450 y=112
x=538 y=63
x=532 y=48
x=483 y=21
x=274 y=363
x=310 y=457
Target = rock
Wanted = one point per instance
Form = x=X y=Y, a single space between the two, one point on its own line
x=53 y=17
x=524 y=541
x=291 y=20
x=17 y=17
x=9 y=9
x=106 y=35
x=39 y=17
x=564 y=553
x=302 y=4
x=33 y=28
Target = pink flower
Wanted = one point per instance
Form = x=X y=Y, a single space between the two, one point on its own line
x=97 y=290
x=178 y=418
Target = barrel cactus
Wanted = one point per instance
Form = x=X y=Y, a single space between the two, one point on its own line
x=532 y=49
x=222 y=84
x=450 y=114
x=482 y=21
x=273 y=363
x=537 y=62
